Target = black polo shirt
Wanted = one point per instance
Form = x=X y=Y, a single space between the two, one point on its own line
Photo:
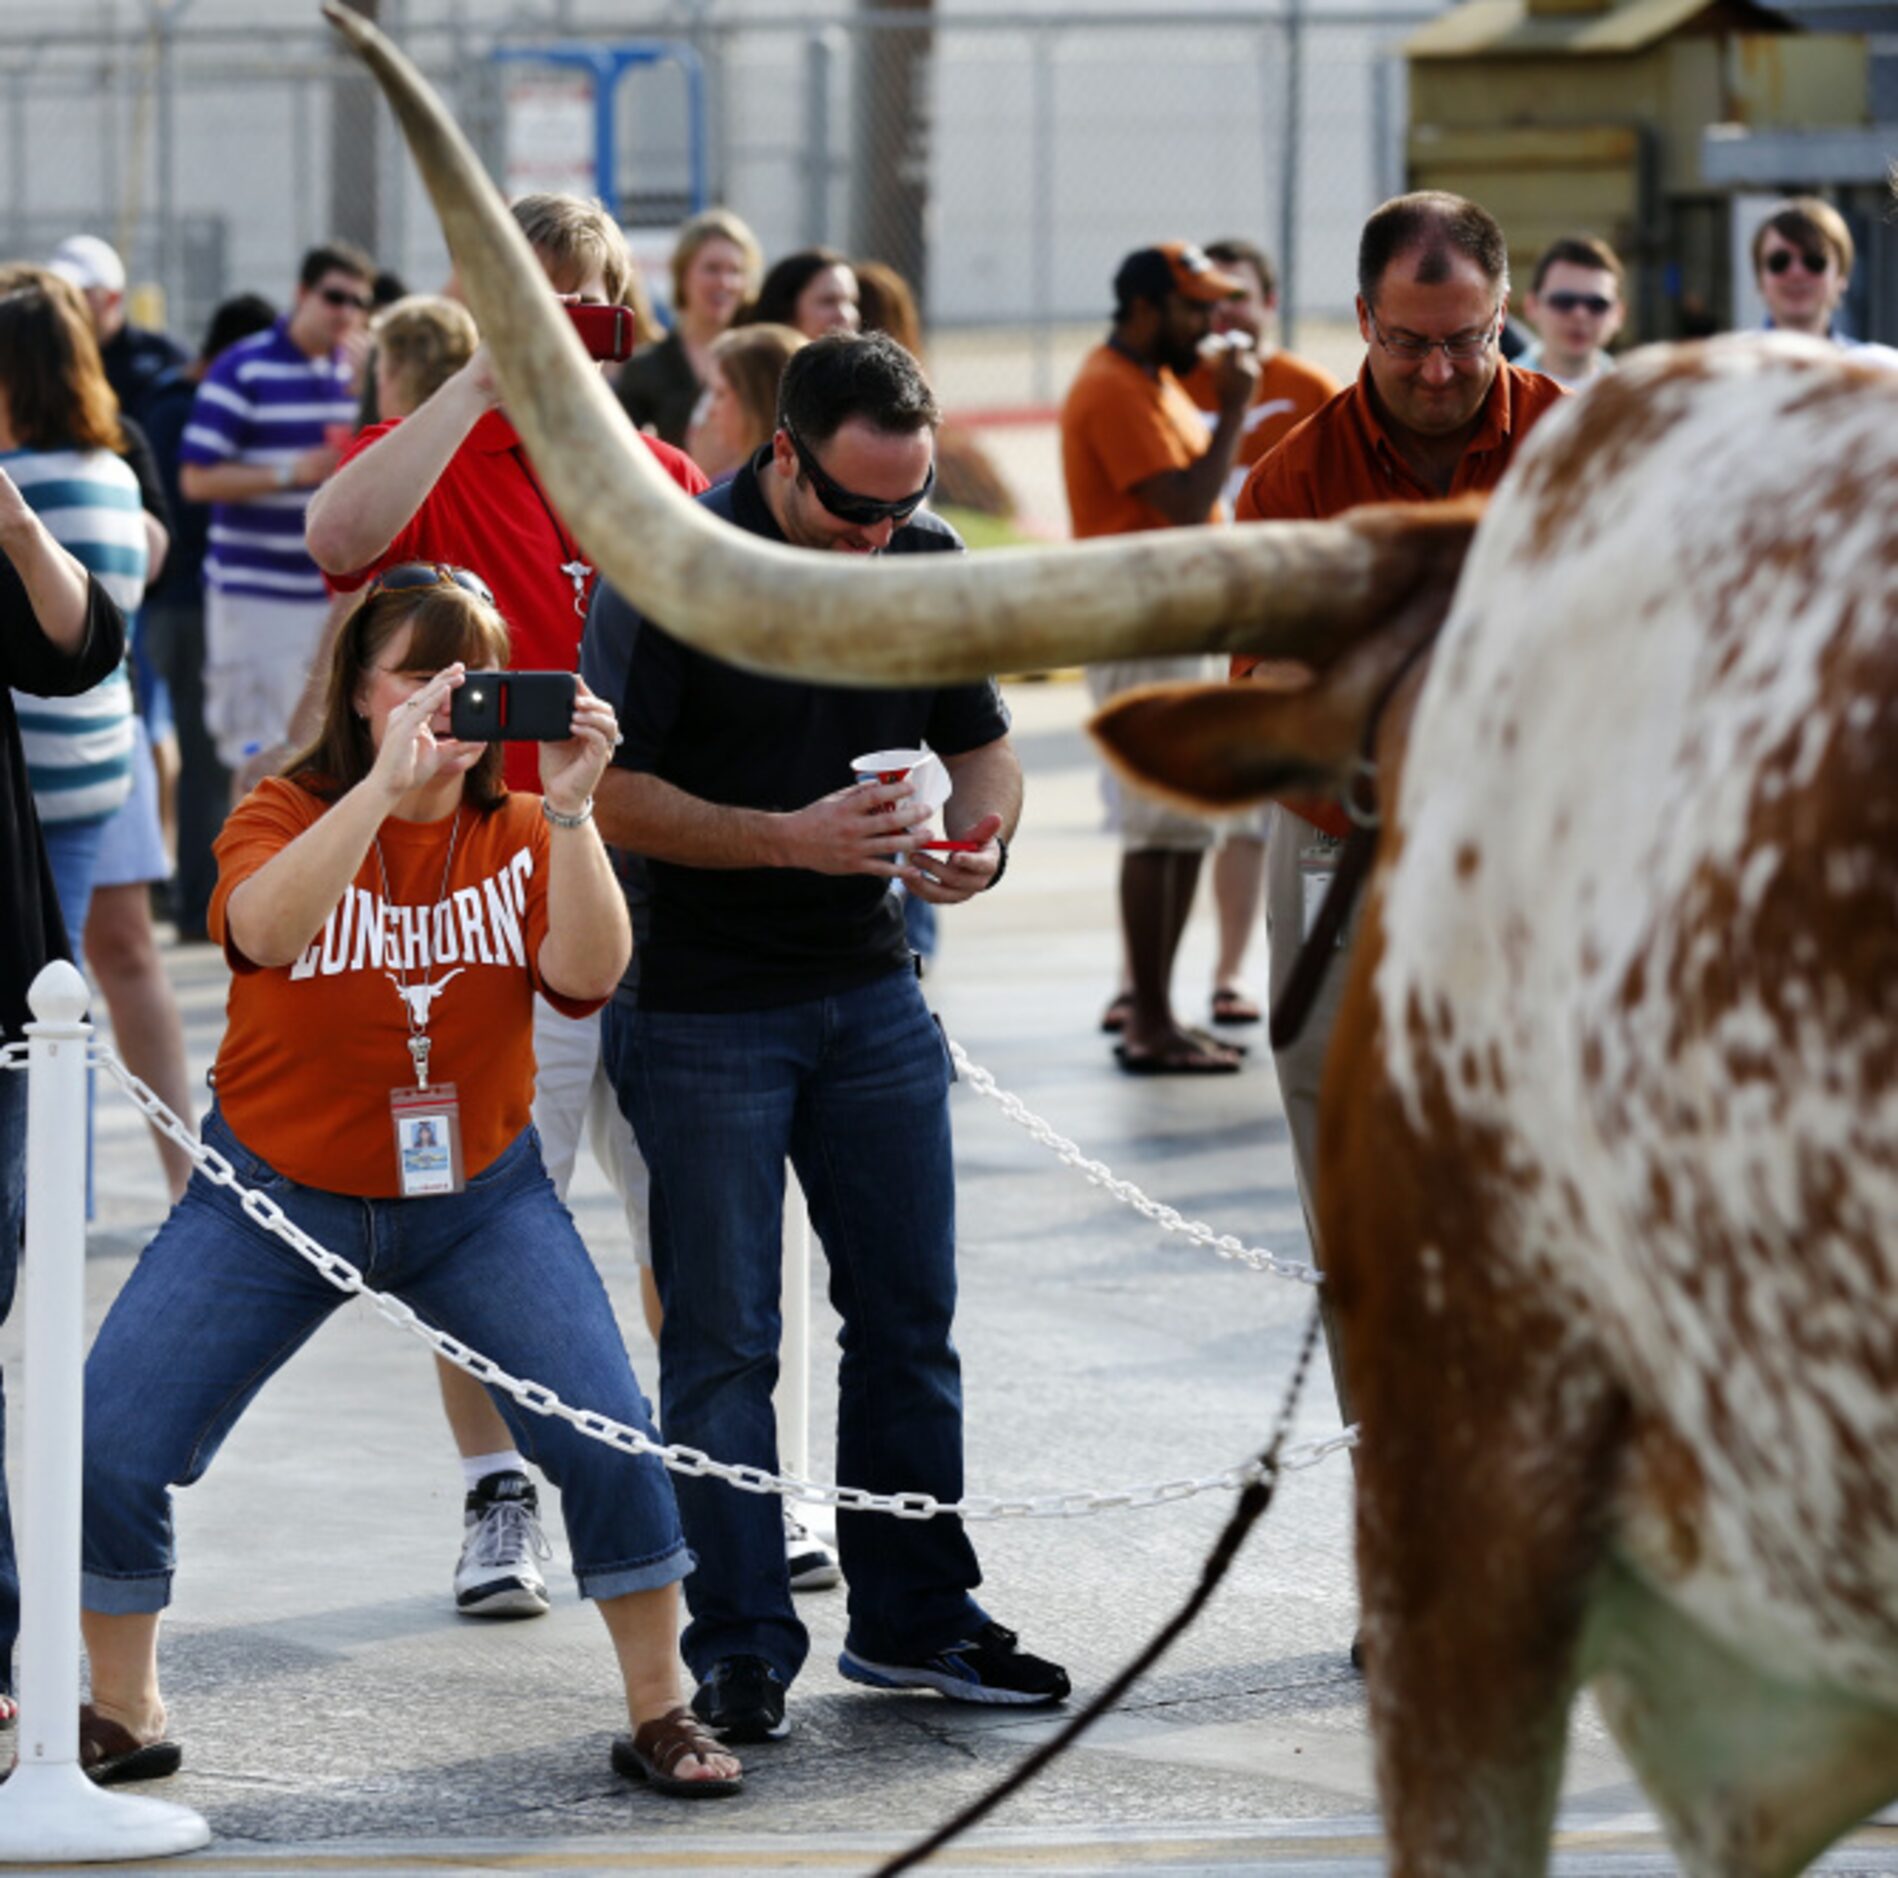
x=741 y=939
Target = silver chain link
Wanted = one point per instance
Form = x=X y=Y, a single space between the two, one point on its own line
x=1098 y=1174
x=691 y=1462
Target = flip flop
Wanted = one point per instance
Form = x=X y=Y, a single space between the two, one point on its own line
x=1231 y=1005
x=653 y=1750
x=1114 y=1018
x=1174 y=1061
x=111 y=1755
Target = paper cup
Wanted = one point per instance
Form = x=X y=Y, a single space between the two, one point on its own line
x=885 y=766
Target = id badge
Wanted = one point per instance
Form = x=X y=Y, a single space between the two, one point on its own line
x=427 y=1140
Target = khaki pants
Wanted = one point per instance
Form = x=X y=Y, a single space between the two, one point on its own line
x=1292 y=846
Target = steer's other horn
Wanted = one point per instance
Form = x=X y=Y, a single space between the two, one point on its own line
x=909 y=620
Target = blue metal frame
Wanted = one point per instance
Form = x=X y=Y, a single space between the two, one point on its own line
x=608 y=64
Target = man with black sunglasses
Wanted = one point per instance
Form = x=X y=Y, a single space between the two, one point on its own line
x=264 y=430
x=776 y=1016
x=1802 y=263
x=1574 y=303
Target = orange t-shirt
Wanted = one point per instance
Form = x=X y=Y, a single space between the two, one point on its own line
x=1342 y=457
x=1290 y=390
x=1121 y=425
x=312 y=1050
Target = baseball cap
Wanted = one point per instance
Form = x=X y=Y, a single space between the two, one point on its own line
x=87 y=261
x=1180 y=267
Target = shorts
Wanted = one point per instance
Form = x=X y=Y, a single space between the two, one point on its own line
x=574 y=1096
x=1146 y=822
x=132 y=848
x=257 y=654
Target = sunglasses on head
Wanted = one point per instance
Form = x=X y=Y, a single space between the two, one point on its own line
x=1782 y=258
x=1594 y=303
x=412 y=576
x=341 y=296
x=846 y=504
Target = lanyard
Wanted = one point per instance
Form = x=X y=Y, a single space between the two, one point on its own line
x=575 y=569
x=417 y=999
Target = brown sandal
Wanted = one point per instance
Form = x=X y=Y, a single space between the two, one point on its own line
x=657 y=1747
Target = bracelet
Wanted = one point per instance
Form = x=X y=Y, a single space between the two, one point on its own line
x=286 y=475
x=1001 y=866
x=578 y=819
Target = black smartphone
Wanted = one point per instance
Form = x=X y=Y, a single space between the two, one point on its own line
x=605 y=331
x=513 y=707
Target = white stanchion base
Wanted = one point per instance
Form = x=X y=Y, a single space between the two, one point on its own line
x=51 y=1814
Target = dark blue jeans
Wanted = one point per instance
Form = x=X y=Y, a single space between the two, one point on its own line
x=853 y=1091
x=12 y=1224
x=216 y=1306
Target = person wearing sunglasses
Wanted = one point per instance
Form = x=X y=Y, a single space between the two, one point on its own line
x=1574 y=304
x=262 y=434
x=388 y=895
x=776 y=1017
x=1802 y=263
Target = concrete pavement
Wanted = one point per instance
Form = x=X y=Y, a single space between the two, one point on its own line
x=338 y=1716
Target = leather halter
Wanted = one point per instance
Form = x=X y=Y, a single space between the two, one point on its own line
x=1295 y=1002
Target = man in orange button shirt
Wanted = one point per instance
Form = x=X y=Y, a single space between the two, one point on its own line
x=1435 y=412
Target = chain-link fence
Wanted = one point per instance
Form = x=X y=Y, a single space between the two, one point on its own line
x=1002 y=161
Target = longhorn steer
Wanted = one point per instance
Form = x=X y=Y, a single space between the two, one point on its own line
x=1608 y=1169
x=1608 y=1178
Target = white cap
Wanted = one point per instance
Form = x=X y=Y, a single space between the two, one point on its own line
x=87 y=261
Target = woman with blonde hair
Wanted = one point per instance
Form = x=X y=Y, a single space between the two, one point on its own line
x=739 y=409
x=420 y=342
x=716 y=267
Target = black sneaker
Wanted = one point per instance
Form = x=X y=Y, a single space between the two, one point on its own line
x=742 y=1700
x=987 y=1667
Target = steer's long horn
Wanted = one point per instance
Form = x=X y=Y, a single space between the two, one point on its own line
x=907 y=620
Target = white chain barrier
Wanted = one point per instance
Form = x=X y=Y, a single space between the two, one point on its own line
x=693 y=1462
x=1098 y=1174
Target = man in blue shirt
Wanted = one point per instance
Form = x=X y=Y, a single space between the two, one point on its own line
x=266 y=427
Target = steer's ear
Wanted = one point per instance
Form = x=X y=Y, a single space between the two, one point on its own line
x=1287 y=729
x=1224 y=746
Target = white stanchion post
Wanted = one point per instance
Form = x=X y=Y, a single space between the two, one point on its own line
x=793 y=1398
x=50 y=1813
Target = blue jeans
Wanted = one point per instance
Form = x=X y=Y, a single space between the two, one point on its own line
x=12 y=1224
x=853 y=1090
x=216 y=1306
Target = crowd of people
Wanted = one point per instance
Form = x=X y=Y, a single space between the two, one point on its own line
x=239 y=592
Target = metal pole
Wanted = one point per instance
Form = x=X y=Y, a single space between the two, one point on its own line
x=1291 y=135
x=792 y=1400
x=50 y=1813
x=1042 y=198
x=820 y=64
x=170 y=273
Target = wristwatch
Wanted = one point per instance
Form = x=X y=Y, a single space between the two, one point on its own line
x=1001 y=866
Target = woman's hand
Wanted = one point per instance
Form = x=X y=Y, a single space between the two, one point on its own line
x=571 y=771
x=411 y=753
x=18 y=524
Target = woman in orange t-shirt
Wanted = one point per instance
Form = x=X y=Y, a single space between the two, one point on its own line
x=389 y=911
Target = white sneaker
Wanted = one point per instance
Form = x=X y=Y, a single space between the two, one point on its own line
x=813 y=1564
x=497 y=1575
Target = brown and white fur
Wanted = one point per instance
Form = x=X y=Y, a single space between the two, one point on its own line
x=1608 y=1168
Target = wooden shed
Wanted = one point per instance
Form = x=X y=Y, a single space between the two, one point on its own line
x=1586 y=116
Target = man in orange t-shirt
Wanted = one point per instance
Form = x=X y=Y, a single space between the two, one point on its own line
x=1435 y=412
x=1136 y=456
x=1290 y=389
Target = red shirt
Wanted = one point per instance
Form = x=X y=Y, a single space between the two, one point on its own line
x=487 y=513
x=1342 y=457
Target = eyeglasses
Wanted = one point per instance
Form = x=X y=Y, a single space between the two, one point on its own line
x=846 y=504
x=1459 y=348
x=1592 y=303
x=412 y=576
x=1782 y=258
x=341 y=296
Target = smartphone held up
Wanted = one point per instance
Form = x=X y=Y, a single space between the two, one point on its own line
x=513 y=707
x=605 y=331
